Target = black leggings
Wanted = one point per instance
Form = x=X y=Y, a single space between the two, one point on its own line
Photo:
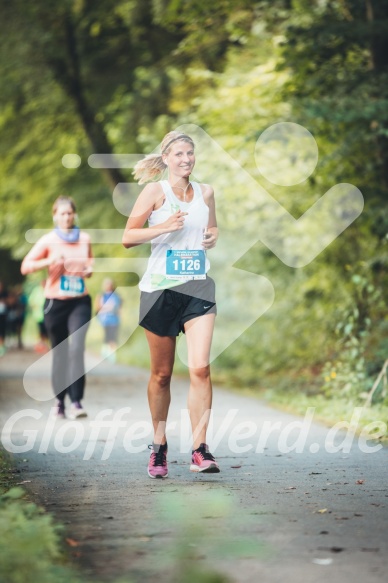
x=67 y=322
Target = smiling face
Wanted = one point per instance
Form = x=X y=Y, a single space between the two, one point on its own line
x=64 y=216
x=180 y=159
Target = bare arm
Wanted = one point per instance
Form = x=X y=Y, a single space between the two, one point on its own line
x=211 y=234
x=97 y=303
x=37 y=258
x=88 y=269
x=149 y=199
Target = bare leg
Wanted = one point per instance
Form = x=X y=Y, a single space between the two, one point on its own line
x=162 y=351
x=199 y=332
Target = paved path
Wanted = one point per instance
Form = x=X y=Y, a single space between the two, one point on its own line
x=269 y=516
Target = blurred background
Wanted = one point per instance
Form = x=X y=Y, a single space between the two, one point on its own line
x=114 y=76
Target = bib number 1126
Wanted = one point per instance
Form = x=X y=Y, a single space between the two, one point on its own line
x=185 y=263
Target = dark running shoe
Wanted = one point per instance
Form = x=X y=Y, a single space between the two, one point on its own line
x=157 y=466
x=203 y=461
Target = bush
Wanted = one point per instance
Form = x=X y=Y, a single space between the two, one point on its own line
x=30 y=542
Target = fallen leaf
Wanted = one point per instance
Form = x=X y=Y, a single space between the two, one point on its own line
x=322 y=561
x=71 y=542
x=235 y=467
x=322 y=511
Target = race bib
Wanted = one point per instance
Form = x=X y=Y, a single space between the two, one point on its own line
x=181 y=264
x=71 y=285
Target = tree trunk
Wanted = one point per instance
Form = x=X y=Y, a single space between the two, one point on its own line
x=68 y=75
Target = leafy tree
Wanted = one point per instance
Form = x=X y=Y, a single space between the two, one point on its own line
x=338 y=56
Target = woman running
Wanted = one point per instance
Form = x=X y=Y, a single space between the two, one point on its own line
x=176 y=293
x=67 y=255
x=108 y=306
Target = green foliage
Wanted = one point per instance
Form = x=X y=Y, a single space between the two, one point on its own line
x=336 y=53
x=347 y=374
x=6 y=477
x=30 y=542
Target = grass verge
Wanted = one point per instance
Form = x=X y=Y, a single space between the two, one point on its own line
x=295 y=393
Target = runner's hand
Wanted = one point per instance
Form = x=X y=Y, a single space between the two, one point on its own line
x=209 y=240
x=175 y=223
x=56 y=266
x=87 y=271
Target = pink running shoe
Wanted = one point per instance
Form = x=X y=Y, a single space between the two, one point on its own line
x=203 y=461
x=157 y=466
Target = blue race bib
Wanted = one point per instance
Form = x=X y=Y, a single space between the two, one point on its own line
x=72 y=285
x=185 y=263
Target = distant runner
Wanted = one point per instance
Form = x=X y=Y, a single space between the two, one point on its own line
x=66 y=253
x=108 y=305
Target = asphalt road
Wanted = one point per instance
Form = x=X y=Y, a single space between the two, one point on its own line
x=294 y=501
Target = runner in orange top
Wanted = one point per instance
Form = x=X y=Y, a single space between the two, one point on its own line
x=66 y=253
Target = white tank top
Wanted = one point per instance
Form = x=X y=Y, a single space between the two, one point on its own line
x=190 y=237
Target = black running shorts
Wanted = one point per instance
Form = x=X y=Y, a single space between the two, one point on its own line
x=165 y=312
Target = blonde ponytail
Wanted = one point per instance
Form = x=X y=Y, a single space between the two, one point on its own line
x=149 y=168
x=152 y=166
